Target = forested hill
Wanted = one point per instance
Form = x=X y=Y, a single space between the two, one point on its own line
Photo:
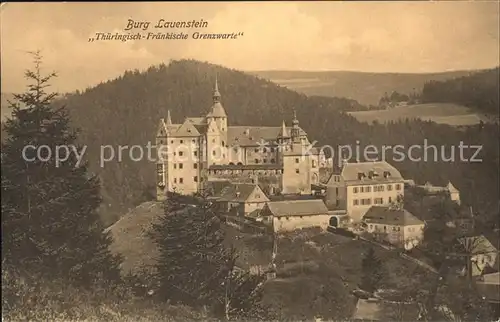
x=479 y=91
x=126 y=111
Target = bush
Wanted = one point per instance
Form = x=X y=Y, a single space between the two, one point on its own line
x=25 y=299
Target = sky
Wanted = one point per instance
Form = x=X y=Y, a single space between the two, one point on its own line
x=415 y=37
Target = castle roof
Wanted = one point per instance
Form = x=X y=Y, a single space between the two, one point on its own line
x=387 y=216
x=245 y=167
x=217 y=110
x=283 y=133
x=297 y=207
x=239 y=192
x=359 y=172
x=252 y=135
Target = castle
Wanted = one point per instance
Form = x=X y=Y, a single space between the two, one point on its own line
x=203 y=149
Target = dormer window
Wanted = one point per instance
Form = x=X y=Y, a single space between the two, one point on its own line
x=387 y=174
x=361 y=175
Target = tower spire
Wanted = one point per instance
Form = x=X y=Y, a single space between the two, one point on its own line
x=169 y=119
x=284 y=132
x=295 y=122
x=216 y=96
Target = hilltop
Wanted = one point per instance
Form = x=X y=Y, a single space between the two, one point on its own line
x=126 y=111
x=366 y=88
x=479 y=91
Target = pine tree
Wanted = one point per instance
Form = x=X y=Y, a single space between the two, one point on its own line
x=196 y=267
x=50 y=225
x=372 y=270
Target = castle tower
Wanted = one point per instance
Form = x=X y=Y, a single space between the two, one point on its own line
x=217 y=130
x=296 y=177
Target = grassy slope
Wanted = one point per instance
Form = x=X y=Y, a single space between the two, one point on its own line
x=366 y=88
x=443 y=113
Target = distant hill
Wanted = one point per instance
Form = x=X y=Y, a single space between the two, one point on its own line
x=366 y=88
x=479 y=91
x=442 y=113
x=125 y=112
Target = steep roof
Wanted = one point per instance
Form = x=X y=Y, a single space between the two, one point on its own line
x=197 y=120
x=217 y=185
x=351 y=171
x=239 y=192
x=297 y=207
x=283 y=132
x=251 y=135
x=479 y=244
x=245 y=167
x=187 y=129
x=387 y=216
x=217 y=110
x=451 y=187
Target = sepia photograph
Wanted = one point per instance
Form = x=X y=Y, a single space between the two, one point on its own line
x=250 y=161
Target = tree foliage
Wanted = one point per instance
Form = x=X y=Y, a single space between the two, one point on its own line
x=50 y=226
x=196 y=267
x=372 y=271
x=478 y=90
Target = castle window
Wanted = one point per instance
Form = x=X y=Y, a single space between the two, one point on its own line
x=193 y=141
x=264 y=161
x=256 y=160
x=256 y=149
x=355 y=202
x=297 y=171
x=175 y=166
x=368 y=189
x=181 y=153
x=272 y=149
x=195 y=166
x=213 y=152
x=264 y=150
x=398 y=186
x=195 y=153
x=213 y=140
x=172 y=141
x=223 y=143
x=389 y=187
x=273 y=161
x=182 y=141
x=314 y=163
x=195 y=179
x=161 y=141
x=181 y=180
x=175 y=180
x=355 y=190
x=296 y=160
x=390 y=199
x=180 y=165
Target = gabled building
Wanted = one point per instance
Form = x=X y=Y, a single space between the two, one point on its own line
x=360 y=185
x=296 y=214
x=240 y=198
x=396 y=226
x=202 y=148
